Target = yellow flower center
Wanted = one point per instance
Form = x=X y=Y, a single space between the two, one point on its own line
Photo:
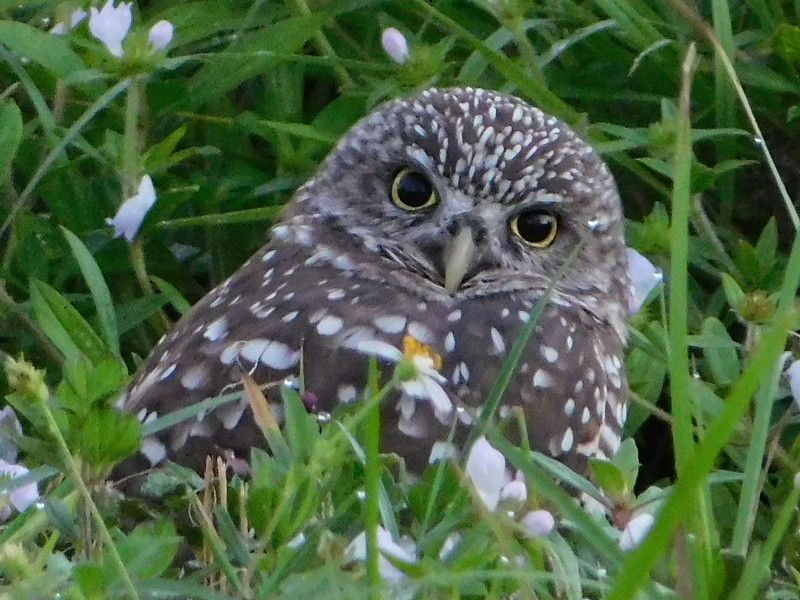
x=413 y=348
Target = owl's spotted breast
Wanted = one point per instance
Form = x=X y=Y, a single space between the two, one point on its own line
x=299 y=301
x=437 y=221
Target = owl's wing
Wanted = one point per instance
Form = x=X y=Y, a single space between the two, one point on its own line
x=287 y=306
x=568 y=383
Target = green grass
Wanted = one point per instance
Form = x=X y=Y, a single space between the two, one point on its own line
x=695 y=108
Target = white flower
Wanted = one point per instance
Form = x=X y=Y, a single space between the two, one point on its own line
x=111 y=25
x=20 y=498
x=486 y=468
x=357 y=550
x=635 y=531
x=538 y=523
x=395 y=45
x=515 y=490
x=441 y=451
x=131 y=213
x=161 y=35
x=75 y=19
x=793 y=375
x=450 y=543
x=644 y=277
x=426 y=381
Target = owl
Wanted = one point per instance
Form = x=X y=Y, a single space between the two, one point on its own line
x=439 y=222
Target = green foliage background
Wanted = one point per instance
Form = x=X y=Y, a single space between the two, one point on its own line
x=696 y=107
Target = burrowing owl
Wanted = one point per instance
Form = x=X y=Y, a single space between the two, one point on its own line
x=438 y=219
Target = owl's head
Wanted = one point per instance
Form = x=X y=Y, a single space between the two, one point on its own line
x=476 y=192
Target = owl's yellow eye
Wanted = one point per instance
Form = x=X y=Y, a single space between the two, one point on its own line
x=537 y=228
x=411 y=190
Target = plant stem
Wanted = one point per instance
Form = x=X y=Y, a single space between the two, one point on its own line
x=129 y=179
x=74 y=472
x=372 y=428
x=526 y=49
x=8 y=303
x=678 y=294
x=323 y=45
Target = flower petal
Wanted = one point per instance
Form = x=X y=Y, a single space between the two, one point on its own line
x=357 y=550
x=486 y=468
x=380 y=349
x=436 y=394
x=161 y=35
x=111 y=25
x=514 y=491
x=635 y=531
x=644 y=277
x=22 y=497
x=538 y=523
x=131 y=213
x=395 y=45
x=793 y=375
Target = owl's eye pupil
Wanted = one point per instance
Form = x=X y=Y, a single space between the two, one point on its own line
x=535 y=227
x=411 y=190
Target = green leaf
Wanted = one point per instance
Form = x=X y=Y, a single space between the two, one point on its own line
x=767 y=246
x=787 y=42
x=175 y=298
x=250 y=56
x=90 y=580
x=302 y=430
x=98 y=287
x=65 y=326
x=609 y=477
x=105 y=436
x=50 y=323
x=267 y=129
x=131 y=314
x=10 y=135
x=733 y=292
x=149 y=549
x=627 y=460
x=50 y=51
x=722 y=359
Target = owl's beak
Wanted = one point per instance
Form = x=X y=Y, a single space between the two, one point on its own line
x=459 y=255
